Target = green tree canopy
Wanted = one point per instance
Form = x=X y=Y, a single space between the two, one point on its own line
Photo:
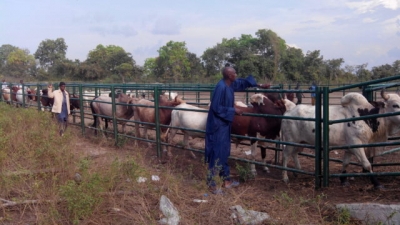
x=173 y=57
x=50 y=52
x=108 y=62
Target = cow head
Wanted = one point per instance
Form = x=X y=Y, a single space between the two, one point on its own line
x=290 y=96
x=257 y=99
x=31 y=94
x=15 y=89
x=45 y=91
x=124 y=98
x=392 y=105
x=289 y=104
x=179 y=100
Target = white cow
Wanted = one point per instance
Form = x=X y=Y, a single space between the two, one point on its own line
x=342 y=134
x=187 y=120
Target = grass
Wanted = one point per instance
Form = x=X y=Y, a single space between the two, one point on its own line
x=38 y=173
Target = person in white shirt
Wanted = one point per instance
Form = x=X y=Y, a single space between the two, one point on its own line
x=4 y=84
x=60 y=106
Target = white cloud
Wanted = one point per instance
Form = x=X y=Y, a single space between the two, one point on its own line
x=370 y=5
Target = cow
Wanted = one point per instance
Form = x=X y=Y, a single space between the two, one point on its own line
x=104 y=108
x=74 y=102
x=147 y=115
x=6 y=95
x=342 y=134
x=18 y=97
x=14 y=90
x=45 y=100
x=266 y=127
x=187 y=120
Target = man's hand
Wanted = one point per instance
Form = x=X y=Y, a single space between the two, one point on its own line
x=238 y=111
x=264 y=86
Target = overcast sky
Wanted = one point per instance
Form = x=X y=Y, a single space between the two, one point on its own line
x=362 y=31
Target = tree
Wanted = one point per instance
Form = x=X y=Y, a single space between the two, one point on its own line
x=292 y=64
x=382 y=71
x=65 y=69
x=272 y=48
x=20 y=64
x=214 y=59
x=333 y=68
x=5 y=50
x=124 y=70
x=109 y=61
x=196 y=68
x=150 y=69
x=312 y=65
x=362 y=73
x=173 y=58
x=396 y=67
x=50 y=52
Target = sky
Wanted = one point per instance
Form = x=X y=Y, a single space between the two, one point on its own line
x=359 y=31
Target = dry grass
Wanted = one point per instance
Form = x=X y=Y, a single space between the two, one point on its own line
x=36 y=164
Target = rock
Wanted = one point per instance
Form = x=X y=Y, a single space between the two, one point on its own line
x=248 y=217
x=169 y=211
x=372 y=213
x=78 y=178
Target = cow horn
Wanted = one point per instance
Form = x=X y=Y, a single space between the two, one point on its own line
x=384 y=95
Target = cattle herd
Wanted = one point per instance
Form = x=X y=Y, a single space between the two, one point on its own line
x=175 y=114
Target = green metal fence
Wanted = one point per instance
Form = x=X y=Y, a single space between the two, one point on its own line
x=194 y=94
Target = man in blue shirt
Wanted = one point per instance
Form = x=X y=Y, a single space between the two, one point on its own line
x=218 y=128
x=313 y=88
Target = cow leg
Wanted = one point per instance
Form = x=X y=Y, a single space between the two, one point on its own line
x=374 y=179
x=164 y=138
x=253 y=156
x=171 y=134
x=101 y=126
x=186 y=144
x=287 y=151
x=123 y=126
x=146 y=136
x=264 y=157
x=295 y=157
x=137 y=133
x=346 y=161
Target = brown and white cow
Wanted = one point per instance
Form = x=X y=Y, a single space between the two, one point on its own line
x=6 y=95
x=266 y=127
x=342 y=134
x=147 y=115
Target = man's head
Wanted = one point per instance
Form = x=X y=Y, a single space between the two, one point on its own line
x=21 y=81
x=229 y=73
x=4 y=80
x=62 y=86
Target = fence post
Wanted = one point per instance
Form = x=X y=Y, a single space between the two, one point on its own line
x=318 y=137
x=325 y=142
x=38 y=96
x=115 y=126
x=82 y=111
x=23 y=95
x=157 y=119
